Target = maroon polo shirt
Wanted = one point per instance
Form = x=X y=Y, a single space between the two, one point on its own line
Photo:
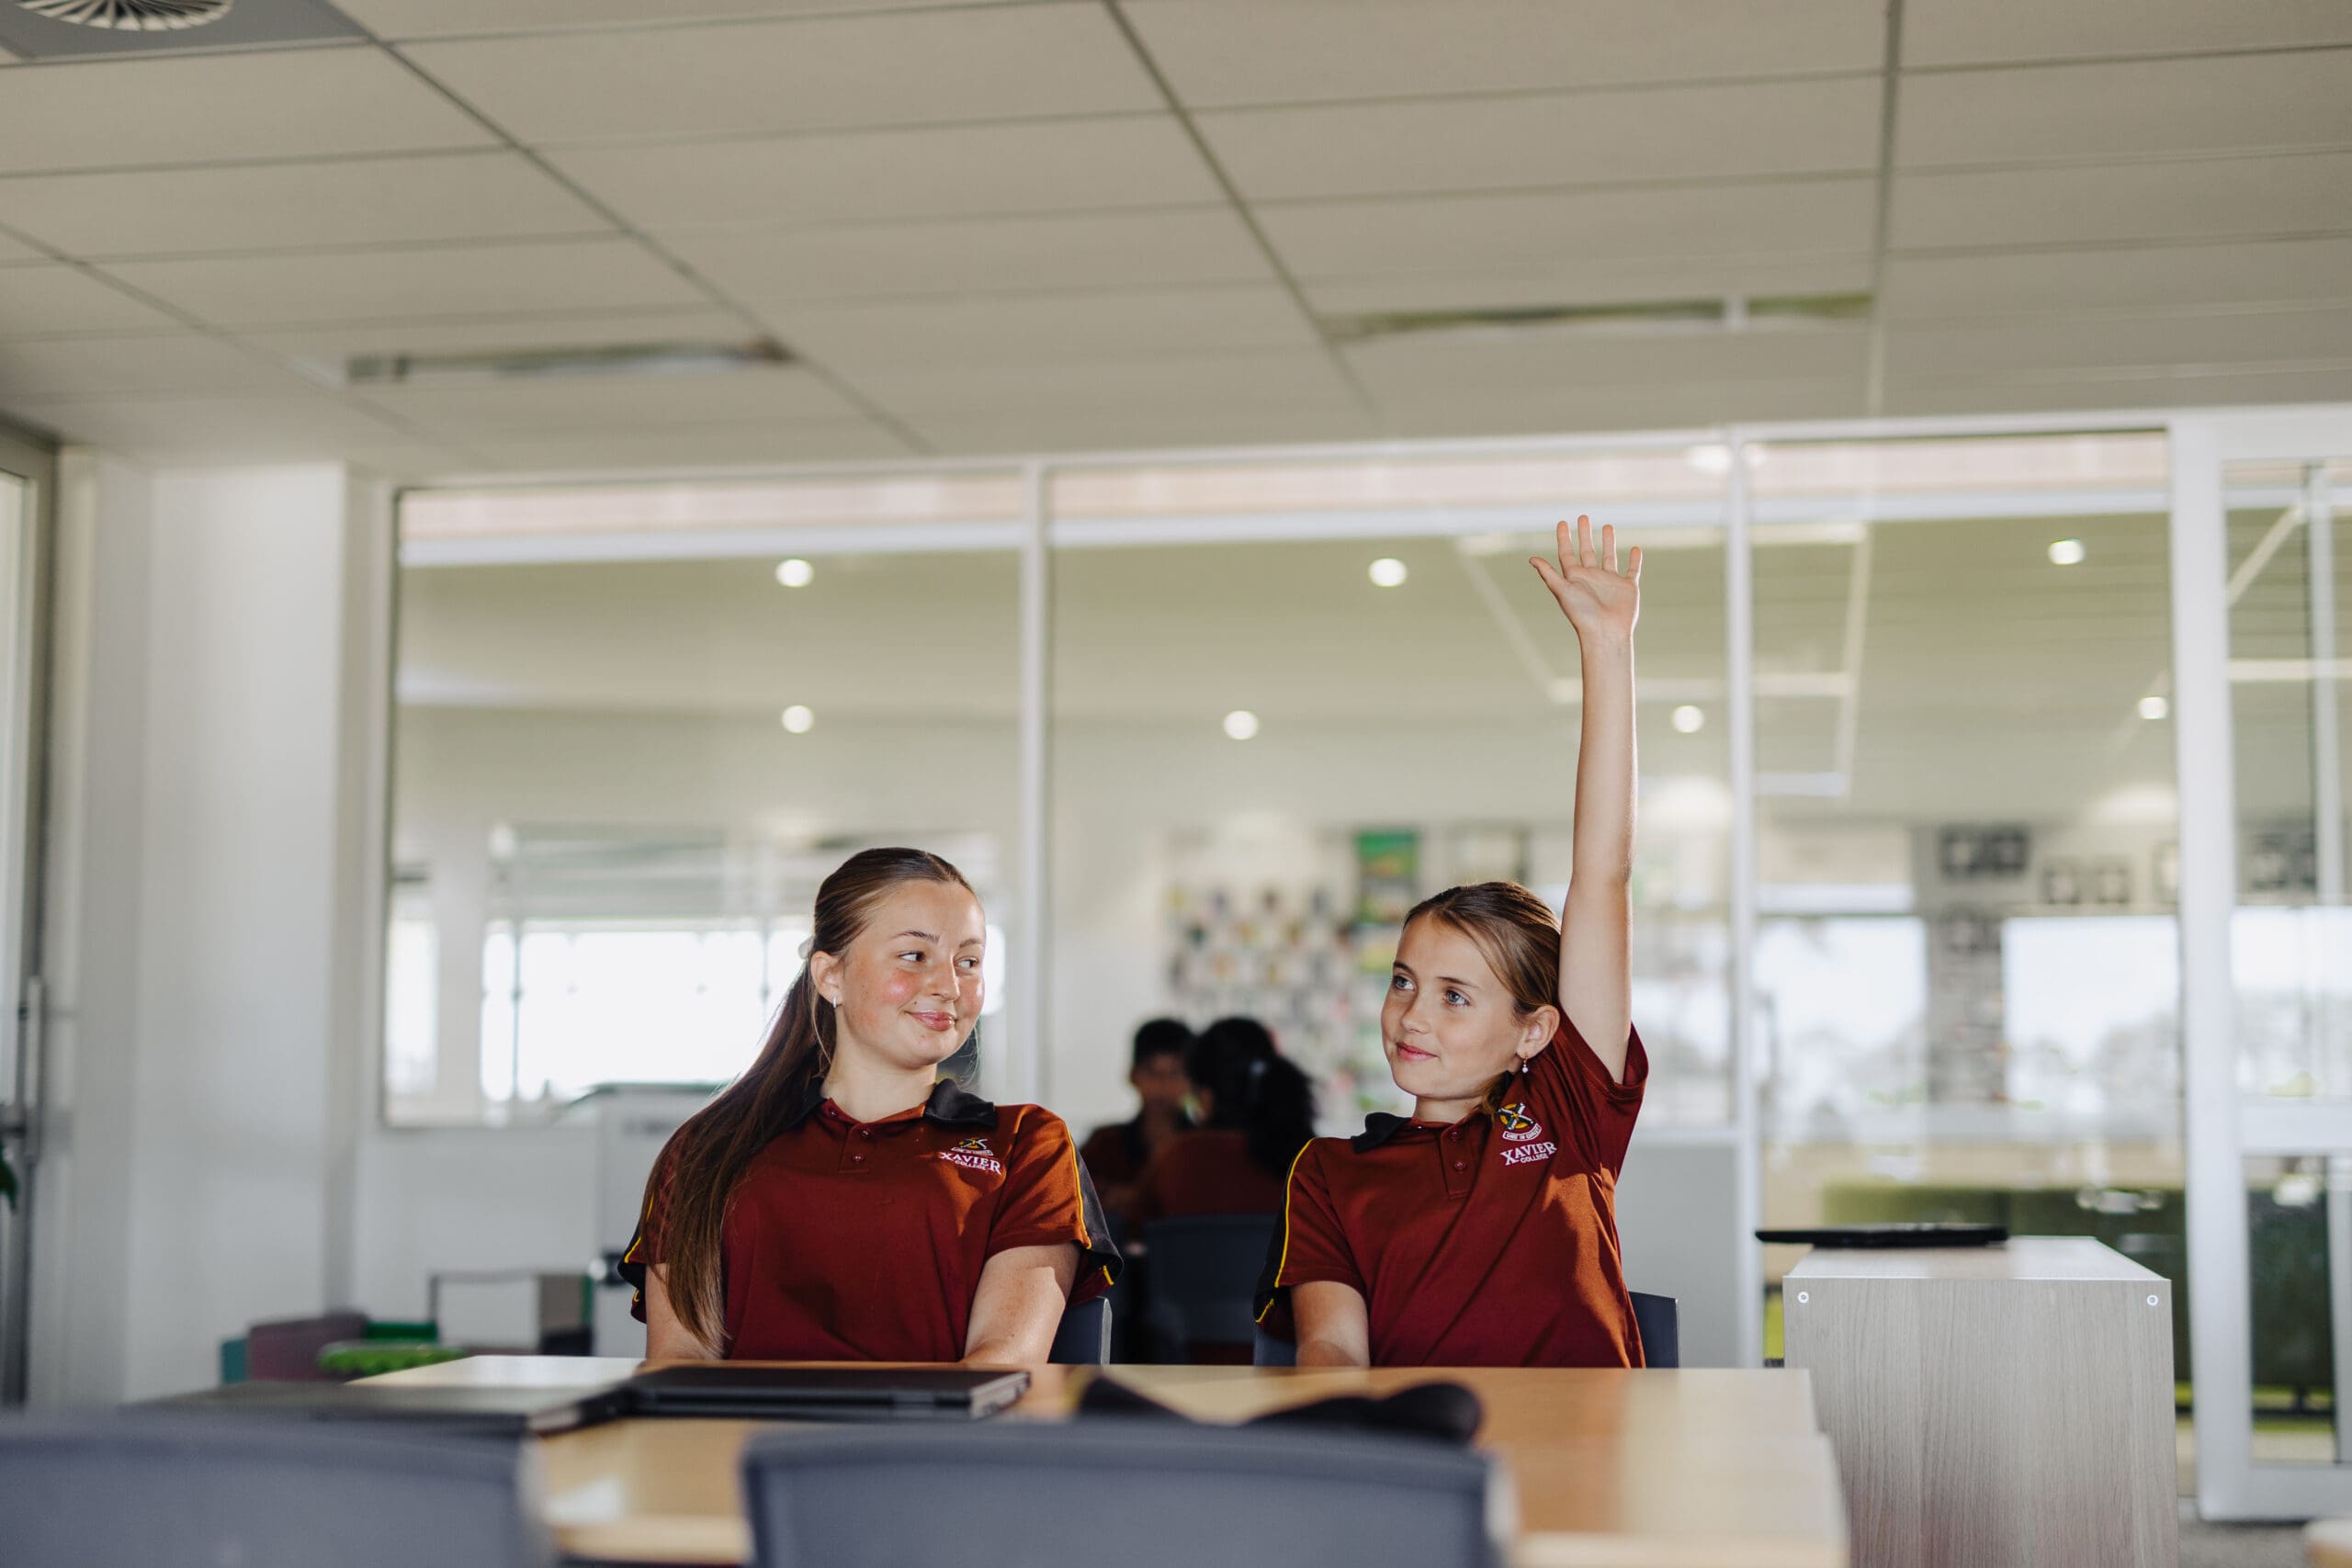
x=848 y=1241
x=1490 y=1242
x=1205 y=1172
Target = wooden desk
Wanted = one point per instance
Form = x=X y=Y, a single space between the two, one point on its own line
x=1692 y=1469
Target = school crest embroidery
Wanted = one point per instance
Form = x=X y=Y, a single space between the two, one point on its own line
x=974 y=1154
x=1518 y=1128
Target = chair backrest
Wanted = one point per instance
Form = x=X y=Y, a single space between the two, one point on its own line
x=1083 y=1338
x=1151 y=1494
x=1203 y=1269
x=152 y=1490
x=1657 y=1322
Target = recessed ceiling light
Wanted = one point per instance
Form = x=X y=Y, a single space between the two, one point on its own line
x=2066 y=552
x=1241 y=724
x=1688 y=720
x=1388 y=572
x=794 y=573
x=2154 y=707
x=799 y=719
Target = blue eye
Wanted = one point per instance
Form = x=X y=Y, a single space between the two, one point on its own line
x=1398 y=983
x=1457 y=997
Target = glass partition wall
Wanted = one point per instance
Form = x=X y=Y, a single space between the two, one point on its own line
x=1915 y=760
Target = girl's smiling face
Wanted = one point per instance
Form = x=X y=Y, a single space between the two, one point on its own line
x=908 y=989
x=1449 y=1026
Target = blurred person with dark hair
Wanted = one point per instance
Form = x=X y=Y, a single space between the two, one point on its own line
x=1116 y=1155
x=1257 y=1111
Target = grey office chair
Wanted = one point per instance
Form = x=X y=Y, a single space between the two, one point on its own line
x=1140 y=1493
x=173 y=1491
x=1656 y=1319
x=1659 y=1322
x=1083 y=1338
x=1204 y=1270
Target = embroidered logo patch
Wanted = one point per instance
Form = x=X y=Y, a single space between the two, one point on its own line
x=974 y=1154
x=1517 y=1124
x=1528 y=1153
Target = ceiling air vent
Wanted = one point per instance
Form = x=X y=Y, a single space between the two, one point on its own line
x=1667 y=318
x=131 y=16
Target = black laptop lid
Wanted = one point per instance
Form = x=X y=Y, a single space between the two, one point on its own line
x=720 y=1387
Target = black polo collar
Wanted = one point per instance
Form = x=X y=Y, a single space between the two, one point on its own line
x=948 y=1105
x=1378 y=1128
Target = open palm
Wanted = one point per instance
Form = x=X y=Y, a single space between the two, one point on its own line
x=1597 y=598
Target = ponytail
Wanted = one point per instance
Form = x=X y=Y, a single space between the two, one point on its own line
x=695 y=1177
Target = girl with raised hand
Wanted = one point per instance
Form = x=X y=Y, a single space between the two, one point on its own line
x=841 y=1201
x=1482 y=1231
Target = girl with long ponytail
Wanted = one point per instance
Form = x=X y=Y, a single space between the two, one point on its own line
x=839 y=1201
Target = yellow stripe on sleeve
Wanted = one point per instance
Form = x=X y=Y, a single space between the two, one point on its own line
x=1290 y=1185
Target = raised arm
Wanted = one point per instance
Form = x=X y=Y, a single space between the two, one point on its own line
x=1596 y=959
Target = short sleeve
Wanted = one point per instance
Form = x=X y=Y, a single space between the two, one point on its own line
x=1050 y=1198
x=1309 y=1244
x=1570 y=1089
x=645 y=1247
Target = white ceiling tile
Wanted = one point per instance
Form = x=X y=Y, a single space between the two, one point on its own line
x=2245 y=340
x=262 y=206
x=1368 y=239
x=1548 y=140
x=1041 y=329
x=93 y=368
x=2002 y=32
x=1424 y=368
x=503 y=334
x=47 y=301
x=397 y=20
x=1076 y=165
x=906 y=68
x=356 y=286
x=576 y=449
x=1180 y=384
x=2074 y=204
x=1086 y=430
x=212 y=429
x=197 y=108
x=1602 y=282
x=2153 y=389
x=544 y=404
x=1250 y=51
x=2125 y=109
x=1121 y=250
x=2147 y=277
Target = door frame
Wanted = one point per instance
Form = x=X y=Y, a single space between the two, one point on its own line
x=2220 y=1127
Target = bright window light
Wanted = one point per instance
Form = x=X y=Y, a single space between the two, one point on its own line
x=799 y=719
x=2066 y=552
x=2154 y=707
x=794 y=573
x=1241 y=724
x=1388 y=572
x=1689 y=721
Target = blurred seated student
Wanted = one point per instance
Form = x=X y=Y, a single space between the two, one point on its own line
x=1481 y=1230
x=1116 y=1155
x=1257 y=1112
x=841 y=1201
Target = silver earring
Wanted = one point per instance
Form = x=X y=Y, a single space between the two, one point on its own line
x=1522 y=1066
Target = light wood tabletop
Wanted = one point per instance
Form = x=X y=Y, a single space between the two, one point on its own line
x=1700 y=1468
